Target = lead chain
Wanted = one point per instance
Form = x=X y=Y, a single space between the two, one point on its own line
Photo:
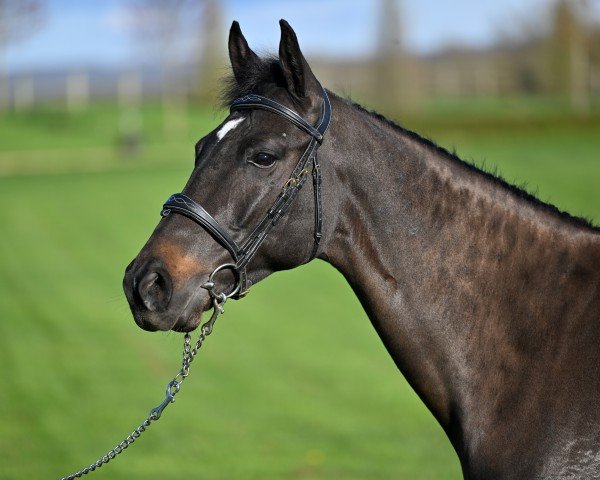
x=189 y=353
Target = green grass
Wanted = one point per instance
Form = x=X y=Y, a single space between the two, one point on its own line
x=294 y=383
x=281 y=391
x=52 y=140
x=51 y=127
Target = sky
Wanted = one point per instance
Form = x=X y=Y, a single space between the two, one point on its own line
x=95 y=33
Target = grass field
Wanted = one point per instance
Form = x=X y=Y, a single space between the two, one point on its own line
x=284 y=389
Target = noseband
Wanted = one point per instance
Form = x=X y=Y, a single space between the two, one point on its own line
x=242 y=254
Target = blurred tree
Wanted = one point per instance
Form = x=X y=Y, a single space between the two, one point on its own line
x=163 y=28
x=212 y=52
x=390 y=41
x=595 y=60
x=395 y=79
x=519 y=53
x=569 y=52
x=18 y=20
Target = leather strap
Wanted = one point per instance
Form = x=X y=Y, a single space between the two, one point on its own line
x=257 y=102
x=184 y=205
x=317 y=180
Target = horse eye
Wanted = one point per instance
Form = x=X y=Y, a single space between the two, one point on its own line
x=263 y=160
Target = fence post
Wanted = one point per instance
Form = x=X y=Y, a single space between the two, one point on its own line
x=78 y=91
x=130 y=118
x=24 y=94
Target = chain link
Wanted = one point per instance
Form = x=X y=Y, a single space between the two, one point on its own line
x=173 y=387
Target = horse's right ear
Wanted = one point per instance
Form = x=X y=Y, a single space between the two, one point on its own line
x=241 y=55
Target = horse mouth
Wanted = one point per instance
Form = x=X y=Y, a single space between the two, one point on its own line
x=176 y=318
x=191 y=316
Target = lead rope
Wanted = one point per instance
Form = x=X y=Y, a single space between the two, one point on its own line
x=173 y=387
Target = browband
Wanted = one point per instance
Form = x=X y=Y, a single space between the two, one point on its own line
x=184 y=205
x=256 y=101
x=241 y=255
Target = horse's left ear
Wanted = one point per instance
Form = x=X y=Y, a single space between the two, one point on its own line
x=243 y=59
x=301 y=81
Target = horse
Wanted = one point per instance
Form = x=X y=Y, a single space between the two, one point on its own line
x=487 y=299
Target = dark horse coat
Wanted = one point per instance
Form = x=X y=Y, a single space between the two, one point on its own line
x=487 y=299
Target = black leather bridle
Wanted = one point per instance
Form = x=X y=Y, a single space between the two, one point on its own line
x=242 y=254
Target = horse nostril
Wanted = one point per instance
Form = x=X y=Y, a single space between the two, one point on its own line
x=154 y=290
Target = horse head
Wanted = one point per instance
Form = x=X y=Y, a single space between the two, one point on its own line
x=242 y=214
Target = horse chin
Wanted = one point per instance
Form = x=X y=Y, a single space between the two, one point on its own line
x=151 y=323
x=191 y=316
x=187 y=325
x=177 y=318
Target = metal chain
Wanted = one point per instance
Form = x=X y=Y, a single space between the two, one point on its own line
x=189 y=353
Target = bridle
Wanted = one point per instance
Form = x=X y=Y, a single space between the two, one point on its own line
x=244 y=252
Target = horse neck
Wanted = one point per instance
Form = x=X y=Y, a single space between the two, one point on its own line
x=460 y=277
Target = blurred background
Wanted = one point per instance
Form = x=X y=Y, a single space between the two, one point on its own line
x=100 y=106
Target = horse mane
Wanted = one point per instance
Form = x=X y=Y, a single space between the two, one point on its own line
x=493 y=175
x=269 y=72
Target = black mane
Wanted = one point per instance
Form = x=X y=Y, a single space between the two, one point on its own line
x=270 y=73
x=521 y=192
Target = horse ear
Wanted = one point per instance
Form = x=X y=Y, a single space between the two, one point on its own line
x=241 y=55
x=300 y=79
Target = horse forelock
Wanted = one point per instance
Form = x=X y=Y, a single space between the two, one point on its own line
x=255 y=80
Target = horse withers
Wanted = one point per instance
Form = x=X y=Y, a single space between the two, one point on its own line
x=487 y=299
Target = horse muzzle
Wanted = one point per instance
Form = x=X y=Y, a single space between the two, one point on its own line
x=155 y=302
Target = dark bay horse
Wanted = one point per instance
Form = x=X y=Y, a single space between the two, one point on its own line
x=487 y=299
